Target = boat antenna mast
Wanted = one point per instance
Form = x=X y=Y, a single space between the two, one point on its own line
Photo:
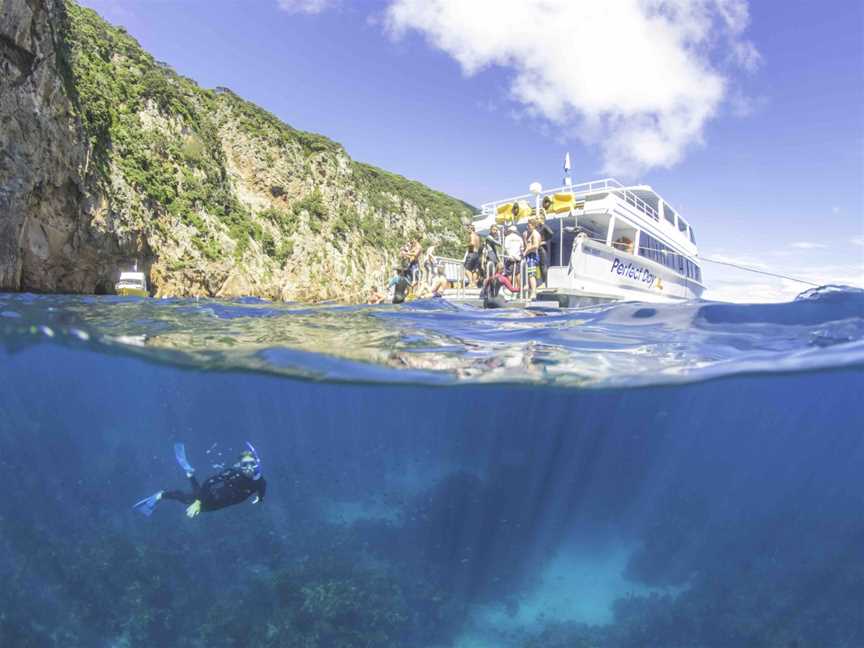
x=567 y=181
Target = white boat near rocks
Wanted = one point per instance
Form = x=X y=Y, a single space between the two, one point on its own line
x=610 y=242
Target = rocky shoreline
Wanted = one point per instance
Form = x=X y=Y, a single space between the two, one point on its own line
x=112 y=158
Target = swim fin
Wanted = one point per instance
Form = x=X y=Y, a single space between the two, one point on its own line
x=193 y=509
x=180 y=453
x=147 y=505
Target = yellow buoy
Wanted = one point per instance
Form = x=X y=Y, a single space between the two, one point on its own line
x=521 y=209
x=558 y=203
x=504 y=213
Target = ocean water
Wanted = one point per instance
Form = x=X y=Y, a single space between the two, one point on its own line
x=438 y=476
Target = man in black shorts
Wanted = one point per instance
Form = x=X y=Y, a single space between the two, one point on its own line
x=472 y=258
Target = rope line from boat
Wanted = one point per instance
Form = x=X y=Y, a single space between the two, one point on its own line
x=758 y=271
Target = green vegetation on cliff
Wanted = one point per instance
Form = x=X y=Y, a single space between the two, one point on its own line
x=207 y=176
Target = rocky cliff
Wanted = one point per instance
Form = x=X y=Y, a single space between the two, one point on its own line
x=110 y=157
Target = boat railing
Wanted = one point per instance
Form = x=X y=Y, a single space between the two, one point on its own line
x=579 y=190
x=454 y=270
x=632 y=199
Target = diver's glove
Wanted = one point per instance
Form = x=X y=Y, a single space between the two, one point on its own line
x=255 y=499
x=193 y=509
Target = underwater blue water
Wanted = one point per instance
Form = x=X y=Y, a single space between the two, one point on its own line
x=625 y=476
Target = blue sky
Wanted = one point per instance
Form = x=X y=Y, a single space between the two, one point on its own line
x=748 y=118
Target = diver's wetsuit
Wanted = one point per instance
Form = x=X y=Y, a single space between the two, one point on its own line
x=227 y=488
x=491 y=288
x=400 y=291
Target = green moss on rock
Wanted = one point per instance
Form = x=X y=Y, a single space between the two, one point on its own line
x=164 y=151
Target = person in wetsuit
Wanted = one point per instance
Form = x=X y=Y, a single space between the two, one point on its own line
x=231 y=486
x=492 y=287
x=401 y=284
x=545 y=249
x=491 y=251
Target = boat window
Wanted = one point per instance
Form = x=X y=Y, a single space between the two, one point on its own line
x=651 y=248
x=698 y=274
x=669 y=258
x=596 y=226
x=692 y=236
x=682 y=224
x=669 y=213
x=624 y=237
x=647 y=246
x=692 y=270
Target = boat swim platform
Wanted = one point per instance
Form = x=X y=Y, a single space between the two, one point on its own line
x=546 y=298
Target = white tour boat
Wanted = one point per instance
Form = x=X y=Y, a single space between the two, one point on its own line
x=132 y=284
x=609 y=242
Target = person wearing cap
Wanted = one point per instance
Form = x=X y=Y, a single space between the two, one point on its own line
x=513 y=248
x=231 y=486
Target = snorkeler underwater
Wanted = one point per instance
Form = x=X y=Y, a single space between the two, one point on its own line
x=229 y=487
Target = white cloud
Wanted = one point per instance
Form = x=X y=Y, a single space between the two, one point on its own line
x=638 y=78
x=807 y=245
x=744 y=105
x=750 y=291
x=727 y=284
x=858 y=240
x=306 y=6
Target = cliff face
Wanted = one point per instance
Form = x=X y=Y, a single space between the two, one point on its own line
x=109 y=157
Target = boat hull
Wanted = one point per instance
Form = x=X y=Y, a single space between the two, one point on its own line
x=602 y=272
x=132 y=292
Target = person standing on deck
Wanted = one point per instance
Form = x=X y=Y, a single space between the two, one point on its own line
x=429 y=264
x=513 y=247
x=411 y=258
x=491 y=249
x=472 y=257
x=544 y=252
x=532 y=258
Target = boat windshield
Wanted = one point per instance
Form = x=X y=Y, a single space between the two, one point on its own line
x=131 y=283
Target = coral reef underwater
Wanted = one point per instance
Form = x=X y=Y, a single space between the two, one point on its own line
x=417 y=516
